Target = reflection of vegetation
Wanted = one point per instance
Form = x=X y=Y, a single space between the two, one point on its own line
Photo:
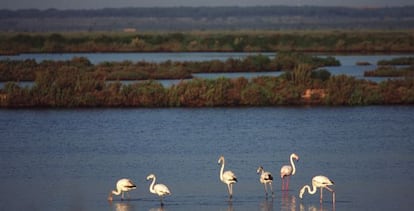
x=126 y=70
x=249 y=41
x=76 y=87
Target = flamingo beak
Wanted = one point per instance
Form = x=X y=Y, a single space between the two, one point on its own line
x=110 y=198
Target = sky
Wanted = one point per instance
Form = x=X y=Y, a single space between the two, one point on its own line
x=98 y=4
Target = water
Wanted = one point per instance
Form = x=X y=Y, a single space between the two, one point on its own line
x=70 y=159
x=97 y=58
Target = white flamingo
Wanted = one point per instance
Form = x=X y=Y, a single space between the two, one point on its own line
x=159 y=189
x=265 y=178
x=227 y=177
x=122 y=186
x=318 y=182
x=287 y=170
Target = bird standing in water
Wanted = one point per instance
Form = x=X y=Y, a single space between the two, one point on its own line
x=159 y=189
x=265 y=178
x=318 y=182
x=227 y=177
x=287 y=170
x=122 y=186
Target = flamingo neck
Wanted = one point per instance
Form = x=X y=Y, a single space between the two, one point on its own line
x=310 y=191
x=221 y=170
x=117 y=192
x=313 y=191
x=293 y=165
x=151 y=189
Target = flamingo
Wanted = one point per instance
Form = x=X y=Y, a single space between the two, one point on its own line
x=227 y=177
x=265 y=178
x=318 y=182
x=287 y=170
x=159 y=189
x=122 y=186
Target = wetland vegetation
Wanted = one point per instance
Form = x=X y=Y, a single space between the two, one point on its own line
x=26 y=70
x=77 y=87
x=329 y=41
x=79 y=83
x=392 y=68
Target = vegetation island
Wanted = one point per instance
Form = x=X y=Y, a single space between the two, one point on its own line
x=78 y=83
x=292 y=32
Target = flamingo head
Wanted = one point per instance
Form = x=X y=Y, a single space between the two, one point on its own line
x=301 y=192
x=151 y=176
x=260 y=169
x=295 y=156
x=220 y=160
x=110 y=198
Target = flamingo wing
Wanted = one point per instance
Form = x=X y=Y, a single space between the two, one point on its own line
x=229 y=177
x=125 y=185
x=267 y=177
x=322 y=181
x=162 y=190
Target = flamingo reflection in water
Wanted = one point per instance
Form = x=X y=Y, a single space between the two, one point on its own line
x=313 y=207
x=123 y=206
x=230 y=206
x=266 y=205
x=157 y=209
x=288 y=202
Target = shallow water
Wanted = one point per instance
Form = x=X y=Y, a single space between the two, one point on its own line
x=71 y=159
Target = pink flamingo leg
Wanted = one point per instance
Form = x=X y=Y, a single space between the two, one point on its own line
x=320 y=200
x=287 y=186
x=333 y=194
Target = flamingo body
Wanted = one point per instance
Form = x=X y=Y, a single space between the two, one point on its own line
x=122 y=186
x=286 y=171
x=159 y=189
x=318 y=182
x=227 y=177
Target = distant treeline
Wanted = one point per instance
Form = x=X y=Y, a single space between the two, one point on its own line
x=78 y=88
x=207 y=18
x=26 y=70
x=218 y=12
x=248 y=41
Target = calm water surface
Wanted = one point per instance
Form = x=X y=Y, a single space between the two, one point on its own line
x=71 y=159
x=96 y=58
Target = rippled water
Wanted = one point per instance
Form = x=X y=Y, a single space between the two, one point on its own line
x=71 y=159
